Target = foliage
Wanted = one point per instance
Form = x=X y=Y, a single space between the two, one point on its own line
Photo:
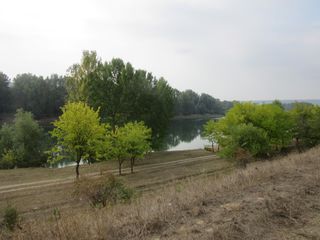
x=10 y=218
x=252 y=139
x=106 y=190
x=211 y=132
x=5 y=95
x=7 y=160
x=22 y=143
x=42 y=97
x=188 y=102
x=135 y=137
x=306 y=119
x=6 y=138
x=121 y=92
x=79 y=134
x=28 y=140
x=258 y=129
x=128 y=143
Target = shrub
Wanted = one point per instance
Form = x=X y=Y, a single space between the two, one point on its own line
x=7 y=161
x=10 y=218
x=106 y=190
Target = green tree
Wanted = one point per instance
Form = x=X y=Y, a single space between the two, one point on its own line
x=301 y=115
x=79 y=133
x=22 y=143
x=28 y=140
x=121 y=92
x=136 y=138
x=258 y=129
x=42 y=97
x=115 y=147
x=211 y=132
x=128 y=143
x=5 y=96
x=81 y=75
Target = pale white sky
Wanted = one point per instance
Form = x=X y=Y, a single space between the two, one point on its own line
x=231 y=49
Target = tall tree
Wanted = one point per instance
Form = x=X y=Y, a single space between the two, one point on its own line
x=79 y=133
x=122 y=93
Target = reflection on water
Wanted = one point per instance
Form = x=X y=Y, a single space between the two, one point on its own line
x=183 y=134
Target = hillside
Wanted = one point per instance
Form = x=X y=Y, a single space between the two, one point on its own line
x=277 y=199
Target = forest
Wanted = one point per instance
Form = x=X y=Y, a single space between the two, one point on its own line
x=129 y=93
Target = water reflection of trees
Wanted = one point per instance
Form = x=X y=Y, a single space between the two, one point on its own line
x=177 y=132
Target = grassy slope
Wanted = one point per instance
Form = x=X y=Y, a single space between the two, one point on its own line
x=155 y=170
x=25 y=175
x=268 y=200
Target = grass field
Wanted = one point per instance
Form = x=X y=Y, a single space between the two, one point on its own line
x=277 y=199
x=39 y=190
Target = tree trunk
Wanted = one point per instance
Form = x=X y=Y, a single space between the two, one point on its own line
x=78 y=159
x=77 y=169
x=212 y=146
x=120 y=163
x=298 y=145
x=132 y=163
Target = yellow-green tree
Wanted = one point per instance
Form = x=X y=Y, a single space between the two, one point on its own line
x=211 y=132
x=136 y=137
x=128 y=143
x=79 y=133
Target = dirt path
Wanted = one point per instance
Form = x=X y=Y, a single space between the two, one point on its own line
x=70 y=179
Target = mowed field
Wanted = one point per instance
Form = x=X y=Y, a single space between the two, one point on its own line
x=37 y=191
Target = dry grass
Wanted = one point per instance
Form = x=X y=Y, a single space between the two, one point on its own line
x=26 y=175
x=41 y=199
x=268 y=200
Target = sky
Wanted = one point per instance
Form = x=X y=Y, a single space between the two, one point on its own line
x=231 y=49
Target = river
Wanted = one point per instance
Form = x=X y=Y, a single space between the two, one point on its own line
x=182 y=134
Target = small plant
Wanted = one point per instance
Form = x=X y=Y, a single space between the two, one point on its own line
x=106 y=190
x=7 y=161
x=10 y=218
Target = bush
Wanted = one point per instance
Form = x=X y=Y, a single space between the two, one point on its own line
x=10 y=218
x=106 y=190
x=7 y=161
x=251 y=139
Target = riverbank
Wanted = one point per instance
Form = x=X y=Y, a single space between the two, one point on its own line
x=53 y=187
x=276 y=199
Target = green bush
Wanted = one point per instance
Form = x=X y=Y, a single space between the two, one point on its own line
x=22 y=143
x=106 y=190
x=7 y=161
x=10 y=218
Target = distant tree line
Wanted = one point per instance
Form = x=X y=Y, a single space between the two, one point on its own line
x=189 y=102
x=42 y=96
x=122 y=92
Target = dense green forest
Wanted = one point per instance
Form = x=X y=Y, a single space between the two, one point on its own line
x=122 y=92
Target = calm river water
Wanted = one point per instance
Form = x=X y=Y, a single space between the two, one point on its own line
x=184 y=134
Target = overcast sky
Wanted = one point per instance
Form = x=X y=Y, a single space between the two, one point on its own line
x=231 y=49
